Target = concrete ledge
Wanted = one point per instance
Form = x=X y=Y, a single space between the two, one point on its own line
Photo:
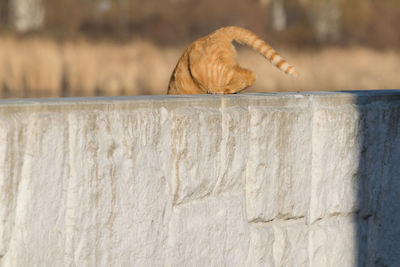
x=307 y=179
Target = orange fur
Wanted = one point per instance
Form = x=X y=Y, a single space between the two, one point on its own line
x=209 y=64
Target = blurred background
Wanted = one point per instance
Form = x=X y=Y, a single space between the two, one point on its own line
x=130 y=47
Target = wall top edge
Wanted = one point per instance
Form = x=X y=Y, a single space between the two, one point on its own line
x=211 y=101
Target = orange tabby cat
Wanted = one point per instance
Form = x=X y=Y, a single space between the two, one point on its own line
x=209 y=64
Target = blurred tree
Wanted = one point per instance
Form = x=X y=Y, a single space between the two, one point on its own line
x=4 y=12
x=27 y=15
x=324 y=16
x=299 y=22
x=384 y=31
x=278 y=15
x=356 y=19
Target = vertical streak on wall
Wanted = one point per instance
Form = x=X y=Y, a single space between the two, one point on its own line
x=12 y=147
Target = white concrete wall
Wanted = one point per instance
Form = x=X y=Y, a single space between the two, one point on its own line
x=242 y=180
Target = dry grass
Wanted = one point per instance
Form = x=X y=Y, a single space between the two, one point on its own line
x=329 y=69
x=43 y=68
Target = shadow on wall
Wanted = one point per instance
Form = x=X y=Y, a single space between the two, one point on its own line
x=378 y=226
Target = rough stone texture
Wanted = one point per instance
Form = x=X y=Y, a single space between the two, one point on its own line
x=308 y=179
x=278 y=136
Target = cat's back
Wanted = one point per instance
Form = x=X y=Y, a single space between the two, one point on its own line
x=215 y=48
x=207 y=53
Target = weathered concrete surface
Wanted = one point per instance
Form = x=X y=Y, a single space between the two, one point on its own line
x=308 y=179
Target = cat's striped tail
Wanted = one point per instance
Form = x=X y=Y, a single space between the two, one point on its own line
x=246 y=37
